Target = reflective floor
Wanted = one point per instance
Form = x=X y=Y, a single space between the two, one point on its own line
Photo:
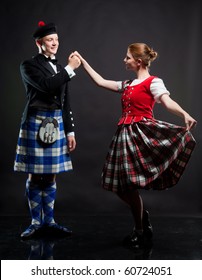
x=99 y=237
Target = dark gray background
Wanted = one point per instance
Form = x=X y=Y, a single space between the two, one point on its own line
x=101 y=31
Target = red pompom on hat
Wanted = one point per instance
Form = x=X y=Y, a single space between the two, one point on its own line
x=44 y=30
x=41 y=23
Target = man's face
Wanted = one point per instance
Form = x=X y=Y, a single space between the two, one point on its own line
x=50 y=44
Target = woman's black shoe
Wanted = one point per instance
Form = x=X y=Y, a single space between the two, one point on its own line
x=134 y=240
x=137 y=240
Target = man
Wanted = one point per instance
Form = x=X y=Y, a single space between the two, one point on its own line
x=47 y=131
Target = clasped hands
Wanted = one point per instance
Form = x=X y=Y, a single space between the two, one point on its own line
x=74 y=60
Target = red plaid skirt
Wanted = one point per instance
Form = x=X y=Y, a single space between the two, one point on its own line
x=149 y=154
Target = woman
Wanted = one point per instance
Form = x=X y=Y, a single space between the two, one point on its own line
x=145 y=153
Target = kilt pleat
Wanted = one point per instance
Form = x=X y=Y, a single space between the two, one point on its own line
x=149 y=154
x=33 y=156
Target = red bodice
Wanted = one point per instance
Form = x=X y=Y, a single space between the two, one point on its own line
x=137 y=102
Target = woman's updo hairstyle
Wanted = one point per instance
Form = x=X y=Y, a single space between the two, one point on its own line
x=141 y=50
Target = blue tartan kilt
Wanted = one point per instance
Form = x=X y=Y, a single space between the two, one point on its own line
x=149 y=154
x=35 y=157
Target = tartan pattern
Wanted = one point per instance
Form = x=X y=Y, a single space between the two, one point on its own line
x=48 y=201
x=33 y=156
x=34 y=195
x=149 y=154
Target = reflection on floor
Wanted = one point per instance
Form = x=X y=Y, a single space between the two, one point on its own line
x=99 y=237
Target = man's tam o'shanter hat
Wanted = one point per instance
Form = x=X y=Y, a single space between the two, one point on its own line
x=44 y=30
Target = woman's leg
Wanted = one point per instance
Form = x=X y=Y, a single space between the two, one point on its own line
x=134 y=201
x=142 y=225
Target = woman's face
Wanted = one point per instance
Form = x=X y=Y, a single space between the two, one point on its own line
x=50 y=44
x=130 y=62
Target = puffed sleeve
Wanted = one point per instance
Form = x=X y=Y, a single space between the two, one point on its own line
x=122 y=85
x=158 y=88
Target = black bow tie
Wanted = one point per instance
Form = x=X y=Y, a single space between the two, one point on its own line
x=54 y=61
